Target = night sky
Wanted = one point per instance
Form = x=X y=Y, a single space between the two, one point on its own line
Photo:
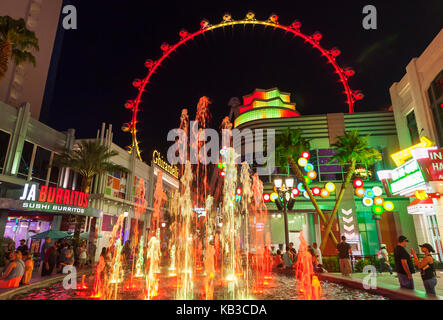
x=100 y=60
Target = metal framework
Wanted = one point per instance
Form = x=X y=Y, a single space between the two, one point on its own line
x=205 y=26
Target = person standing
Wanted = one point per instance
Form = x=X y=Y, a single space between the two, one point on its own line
x=292 y=252
x=50 y=260
x=426 y=266
x=317 y=253
x=46 y=245
x=383 y=256
x=403 y=264
x=82 y=255
x=344 y=252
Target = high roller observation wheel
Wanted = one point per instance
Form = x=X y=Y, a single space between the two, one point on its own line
x=205 y=26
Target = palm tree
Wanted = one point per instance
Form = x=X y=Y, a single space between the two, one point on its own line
x=350 y=149
x=87 y=158
x=290 y=145
x=15 y=42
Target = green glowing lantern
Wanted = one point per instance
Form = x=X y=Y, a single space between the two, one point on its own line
x=377 y=209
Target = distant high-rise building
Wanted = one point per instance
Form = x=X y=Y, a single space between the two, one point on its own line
x=26 y=83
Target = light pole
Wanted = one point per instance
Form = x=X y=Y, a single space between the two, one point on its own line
x=282 y=190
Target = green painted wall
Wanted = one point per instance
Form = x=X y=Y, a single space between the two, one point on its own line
x=368 y=232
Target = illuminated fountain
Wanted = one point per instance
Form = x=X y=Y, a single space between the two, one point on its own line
x=153 y=253
x=308 y=284
x=185 y=248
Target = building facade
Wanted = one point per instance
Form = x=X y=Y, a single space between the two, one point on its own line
x=417 y=102
x=36 y=196
x=323 y=130
x=26 y=83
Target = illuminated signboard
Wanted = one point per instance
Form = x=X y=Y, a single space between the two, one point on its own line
x=435 y=164
x=169 y=168
x=406 y=176
x=403 y=155
x=51 y=199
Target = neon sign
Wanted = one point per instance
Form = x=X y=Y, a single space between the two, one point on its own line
x=406 y=176
x=54 y=195
x=169 y=168
x=403 y=155
x=53 y=199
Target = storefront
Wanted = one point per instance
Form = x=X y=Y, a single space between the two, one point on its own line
x=43 y=208
x=419 y=176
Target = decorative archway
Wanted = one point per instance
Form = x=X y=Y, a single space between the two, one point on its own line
x=205 y=26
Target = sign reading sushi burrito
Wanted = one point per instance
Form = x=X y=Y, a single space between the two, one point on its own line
x=51 y=199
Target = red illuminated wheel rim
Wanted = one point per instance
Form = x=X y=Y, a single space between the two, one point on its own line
x=314 y=40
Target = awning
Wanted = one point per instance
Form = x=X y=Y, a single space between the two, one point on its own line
x=421 y=207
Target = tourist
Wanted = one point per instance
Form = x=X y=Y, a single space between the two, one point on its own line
x=23 y=247
x=383 y=256
x=287 y=259
x=82 y=255
x=317 y=253
x=403 y=264
x=91 y=253
x=50 y=260
x=46 y=245
x=278 y=262
x=292 y=252
x=426 y=266
x=14 y=272
x=29 y=267
x=273 y=250
x=68 y=261
x=344 y=252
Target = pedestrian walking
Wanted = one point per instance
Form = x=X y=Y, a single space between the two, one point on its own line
x=383 y=256
x=403 y=264
x=344 y=252
x=426 y=266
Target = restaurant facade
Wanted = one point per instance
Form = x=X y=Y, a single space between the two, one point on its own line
x=36 y=196
x=417 y=102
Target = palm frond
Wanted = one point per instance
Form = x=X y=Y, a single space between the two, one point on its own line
x=89 y=158
x=353 y=148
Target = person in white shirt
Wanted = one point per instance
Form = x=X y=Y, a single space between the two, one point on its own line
x=317 y=253
x=383 y=256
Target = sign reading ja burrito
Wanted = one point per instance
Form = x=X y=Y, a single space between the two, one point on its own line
x=55 y=195
x=53 y=200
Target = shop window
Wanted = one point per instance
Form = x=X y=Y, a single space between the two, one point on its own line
x=412 y=127
x=116 y=184
x=437 y=87
x=327 y=171
x=41 y=164
x=4 y=145
x=25 y=160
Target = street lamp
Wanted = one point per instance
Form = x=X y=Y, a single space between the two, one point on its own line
x=282 y=189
